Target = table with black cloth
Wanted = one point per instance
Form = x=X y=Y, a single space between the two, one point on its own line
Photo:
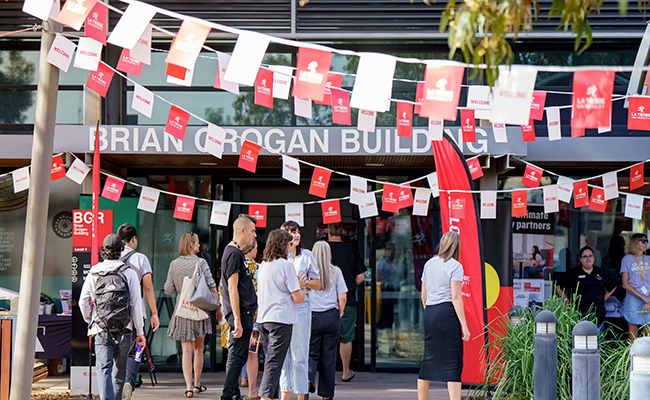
x=55 y=334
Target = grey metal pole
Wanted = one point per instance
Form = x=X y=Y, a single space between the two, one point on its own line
x=36 y=222
x=640 y=373
x=586 y=361
x=545 y=364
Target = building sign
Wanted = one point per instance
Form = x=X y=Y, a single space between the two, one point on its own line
x=289 y=140
x=536 y=221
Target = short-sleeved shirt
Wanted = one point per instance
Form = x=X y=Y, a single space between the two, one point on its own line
x=140 y=264
x=633 y=269
x=233 y=262
x=437 y=276
x=276 y=281
x=349 y=261
x=304 y=263
x=591 y=288
x=323 y=300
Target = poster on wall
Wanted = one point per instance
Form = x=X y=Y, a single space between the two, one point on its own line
x=532 y=252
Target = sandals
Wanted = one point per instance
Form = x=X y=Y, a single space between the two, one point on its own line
x=200 y=389
x=189 y=393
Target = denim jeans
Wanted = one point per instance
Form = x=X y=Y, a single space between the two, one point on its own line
x=132 y=366
x=111 y=353
x=295 y=370
x=237 y=354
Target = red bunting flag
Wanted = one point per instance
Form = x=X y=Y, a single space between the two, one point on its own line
x=528 y=131
x=580 y=194
x=457 y=204
x=532 y=176
x=258 y=211
x=320 y=180
x=311 y=73
x=341 y=113
x=419 y=95
x=592 y=99
x=404 y=119
x=636 y=176
x=184 y=208
x=96 y=23
x=113 y=188
x=577 y=132
x=58 y=170
x=638 y=114
x=441 y=91
x=248 y=156
x=598 y=202
x=519 y=203
x=405 y=198
x=187 y=44
x=537 y=105
x=177 y=122
x=175 y=71
x=100 y=80
x=264 y=88
x=468 y=125
x=129 y=64
x=331 y=211
x=475 y=168
x=335 y=80
x=390 y=198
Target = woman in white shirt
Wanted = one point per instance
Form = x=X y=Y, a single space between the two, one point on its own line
x=295 y=370
x=636 y=281
x=279 y=291
x=445 y=327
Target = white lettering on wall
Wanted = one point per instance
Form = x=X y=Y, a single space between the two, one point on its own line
x=346 y=139
x=151 y=140
x=323 y=144
x=398 y=149
x=120 y=139
x=198 y=142
x=366 y=146
x=255 y=132
x=482 y=143
x=297 y=137
x=103 y=142
x=270 y=146
x=231 y=137
x=176 y=142
x=427 y=142
x=136 y=139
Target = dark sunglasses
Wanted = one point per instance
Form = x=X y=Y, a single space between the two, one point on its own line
x=644 y=241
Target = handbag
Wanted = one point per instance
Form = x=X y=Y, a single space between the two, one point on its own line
x=202 y=296
x=184 y=308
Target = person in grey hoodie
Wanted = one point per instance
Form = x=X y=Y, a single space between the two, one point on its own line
x=112 y=348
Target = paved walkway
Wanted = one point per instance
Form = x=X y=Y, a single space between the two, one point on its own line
x=364 y=386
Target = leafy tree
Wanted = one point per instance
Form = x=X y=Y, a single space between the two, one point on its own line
x=15 y=70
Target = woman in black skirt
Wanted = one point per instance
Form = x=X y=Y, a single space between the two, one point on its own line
x=445 y=327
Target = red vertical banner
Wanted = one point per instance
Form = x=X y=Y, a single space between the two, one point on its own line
x=528 y=131
x=636 y=176
x=404 y=119
x=468 y=124
x=519 y=203
x=580 y=194
x=94 y=247
x=453 y=174
x=390 y=198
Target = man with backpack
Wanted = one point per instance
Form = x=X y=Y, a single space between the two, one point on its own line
x=139 y=263
x=110 y=303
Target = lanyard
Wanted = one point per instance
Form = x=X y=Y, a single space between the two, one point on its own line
x=637 y=263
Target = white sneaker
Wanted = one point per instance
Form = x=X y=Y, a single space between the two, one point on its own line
x=127 y=391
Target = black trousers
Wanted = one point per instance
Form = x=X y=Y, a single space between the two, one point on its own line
x=237 y=354
x=276 y=339
x=325 y=327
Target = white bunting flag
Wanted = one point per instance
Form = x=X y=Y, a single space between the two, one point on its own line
x=281 y=81
x=42 y=9
x=246 y=58
x=189 y=74
x=553 y=123
x=421 y=201
x=366 y=120
x=88 y=54
x=232 y=87
x=132 y=25
x=294 y=212
x=604 y=129
x=634 y=206
x=373 y=84
x=499 y=131
x=148 y=199
x=220 y=213
x=488 y=204
x=291 y=169
x=142 y=100
x=435 y=129
x=77 y=171
x=564 y=189
x=479 y=98
x=551 y=204
x=214 y=140
x=513 y=94
x=432 y=178
x=369 y=206
x=60 y=54
x=21 y=179
x=610 y=185
x=302 y=107
x=141 y=51
x=358 y=189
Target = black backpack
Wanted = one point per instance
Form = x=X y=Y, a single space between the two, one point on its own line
x=112 y=300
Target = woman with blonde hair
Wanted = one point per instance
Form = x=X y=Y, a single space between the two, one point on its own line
x=327 y=306
x=190 y=333
x=636 y=281
x=445 y=327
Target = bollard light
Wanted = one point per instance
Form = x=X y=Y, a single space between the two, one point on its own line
x=586 y=361
x=545 y=364
x=640 y=373
x=545 y=323
x=516 y=314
